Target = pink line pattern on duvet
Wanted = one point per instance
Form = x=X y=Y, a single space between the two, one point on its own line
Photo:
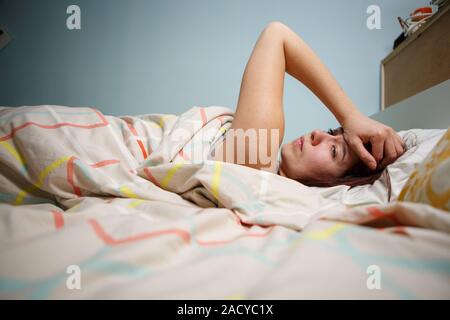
x=376 y=214
x=58 y=125
x=204 y=118
x=183 y=234
x=151 y=177
x=109 y=240
x=139 y=141
x=58 y=219
x=221 y=242
x=70 y=171
x=183 y=155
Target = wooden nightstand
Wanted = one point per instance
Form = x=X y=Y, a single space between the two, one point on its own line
x=419 y=62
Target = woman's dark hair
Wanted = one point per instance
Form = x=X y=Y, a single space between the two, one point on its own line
x=358 y=175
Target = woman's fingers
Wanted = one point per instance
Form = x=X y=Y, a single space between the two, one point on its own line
x=358 y=147
x=390 y=152
x=386 y=145
x=393 y=148
x=399 y=145
x=377 y=142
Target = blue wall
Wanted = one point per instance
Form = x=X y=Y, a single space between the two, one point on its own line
x=136 y=57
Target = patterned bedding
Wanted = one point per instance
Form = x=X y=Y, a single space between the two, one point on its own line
x=102 y=207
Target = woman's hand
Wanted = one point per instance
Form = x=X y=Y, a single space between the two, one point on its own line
x=387 y=146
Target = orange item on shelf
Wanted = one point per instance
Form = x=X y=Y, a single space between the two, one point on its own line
x=421 y=13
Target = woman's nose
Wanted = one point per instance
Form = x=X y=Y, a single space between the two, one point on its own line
x=317 y=137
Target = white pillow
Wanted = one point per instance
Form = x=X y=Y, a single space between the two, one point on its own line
x=419 y=143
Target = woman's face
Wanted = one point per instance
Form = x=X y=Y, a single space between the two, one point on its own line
x=318 y=155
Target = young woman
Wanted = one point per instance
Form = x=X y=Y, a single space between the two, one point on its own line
x=315 y=157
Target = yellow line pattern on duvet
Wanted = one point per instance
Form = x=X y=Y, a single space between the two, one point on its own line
x=127 y=192
x=162 y=120
x=41 y=179
x=326 y=233
x=216 y=179
x=170 y=173
x=135 y=203
x=130 y=194
x=13 y=152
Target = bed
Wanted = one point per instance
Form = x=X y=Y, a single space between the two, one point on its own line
x=101 y=207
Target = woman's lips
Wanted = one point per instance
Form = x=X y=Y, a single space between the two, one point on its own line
x=300 y=142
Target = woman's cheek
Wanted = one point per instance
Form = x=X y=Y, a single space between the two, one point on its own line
x=316 y=158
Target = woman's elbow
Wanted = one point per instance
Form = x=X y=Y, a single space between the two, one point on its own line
x=276 y=27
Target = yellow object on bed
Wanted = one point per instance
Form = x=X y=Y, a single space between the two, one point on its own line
x=430 y=182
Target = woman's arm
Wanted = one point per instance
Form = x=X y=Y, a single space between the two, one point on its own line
x=260 y=105
x=304 y=65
